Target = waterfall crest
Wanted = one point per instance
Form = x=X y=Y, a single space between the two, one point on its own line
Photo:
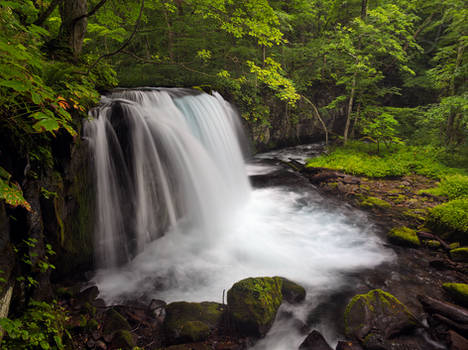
x=163 y=159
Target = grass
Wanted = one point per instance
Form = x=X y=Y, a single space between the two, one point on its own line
x=452 y=187
x=359 y=158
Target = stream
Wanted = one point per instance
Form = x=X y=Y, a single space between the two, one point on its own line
x=220 y=233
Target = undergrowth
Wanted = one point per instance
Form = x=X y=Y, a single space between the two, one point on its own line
x=359 y=158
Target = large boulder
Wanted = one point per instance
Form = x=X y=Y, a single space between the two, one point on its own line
x=191 y=322
x=376 y=317
x=253 y=303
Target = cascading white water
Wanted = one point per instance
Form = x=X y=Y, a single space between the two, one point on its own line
x=177 y=219
x=163 y=158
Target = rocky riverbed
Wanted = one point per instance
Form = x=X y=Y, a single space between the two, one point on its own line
x=416 y=301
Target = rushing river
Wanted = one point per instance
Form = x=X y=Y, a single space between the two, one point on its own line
x=216 y=229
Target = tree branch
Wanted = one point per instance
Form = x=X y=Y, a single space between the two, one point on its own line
x=125 y=44
x=317 y=114
x=47 y=12
x=90 y=13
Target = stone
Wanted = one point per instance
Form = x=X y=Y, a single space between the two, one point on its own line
x=88 y=295
x=157 y=309
x=404 y=236
x=253 y=304
x=123 y=339
x=292 y=292
x=348 y=345
x=114 y=322
x=458 y=292
x=315 y=341
x=457 y=342
x=192 y=322
x=101 y=345
x=370 y=202
x=459 y=254
x=378 y=313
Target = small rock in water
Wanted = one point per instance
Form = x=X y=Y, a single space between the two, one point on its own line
x=348 y=345
x=293 y=293
x=101 y=345
x=157 y=309
x=315 y=341
x=88 y=295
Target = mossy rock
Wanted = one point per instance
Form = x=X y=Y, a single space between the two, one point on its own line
x=292 y=292
x=123 y=340
x=378 y=311
x=404 y=236
x=458 y=292
x=454 y=245
x=450 y=220
x=191 y=346
x=459 y=254
x=114 y=322
x=92 y=325
x=192 y=322
x=433 y=244
x=253 y=303
x=371 y=202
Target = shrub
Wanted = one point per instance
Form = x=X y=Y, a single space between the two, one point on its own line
x=359 y=158
x=453 y=187
x=42 y=326
x=451 y=219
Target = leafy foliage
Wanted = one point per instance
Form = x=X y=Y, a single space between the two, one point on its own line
x=361 y=159
x=42 y=326
x=451 y=216
x=452 y=187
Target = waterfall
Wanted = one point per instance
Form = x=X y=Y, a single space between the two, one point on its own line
x=164 y=159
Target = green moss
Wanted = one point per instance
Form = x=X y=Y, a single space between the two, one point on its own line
x=458 y=291
x=114 y=322
x=418 y=214
x=360 y=158
x=332 y=184
x=452 y=187
x=89 y=309
x=395 y=191
x=454 y=245
x=459 y=254
x=253 y=303
x=451 y=220
x=404 y=236
x=123 y=339
x=374 y=202
x=189 y=322
x=432 y=244
x=361 y=306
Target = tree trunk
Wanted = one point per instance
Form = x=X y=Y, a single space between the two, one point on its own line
x=74 y=23
x=350 y=109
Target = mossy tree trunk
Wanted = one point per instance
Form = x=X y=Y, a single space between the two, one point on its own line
x=74 y=23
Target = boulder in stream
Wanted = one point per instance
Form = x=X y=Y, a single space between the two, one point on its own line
x=404 y=236
x=192 y=322
x=315 y=341
x=376 y=317
x=458 y=292
x=253 y=303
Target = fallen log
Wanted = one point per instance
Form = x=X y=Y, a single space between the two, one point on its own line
x=453 y=312
x=460 y=328
x=426 y=235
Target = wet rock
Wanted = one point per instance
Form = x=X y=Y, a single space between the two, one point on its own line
x=157 y=309
x=348 y=345
x=457 y=342
x=101 y=345
x=292 y=292
x=123 y=339
x=114 y=322
x=253 y=303
x=453 y=312
x=459 y=254
x=379 y=313
x=404 y=236
x=315 y=341
x=192 y=322
x=88 y=295
x=193 y=346
x=458 y=292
